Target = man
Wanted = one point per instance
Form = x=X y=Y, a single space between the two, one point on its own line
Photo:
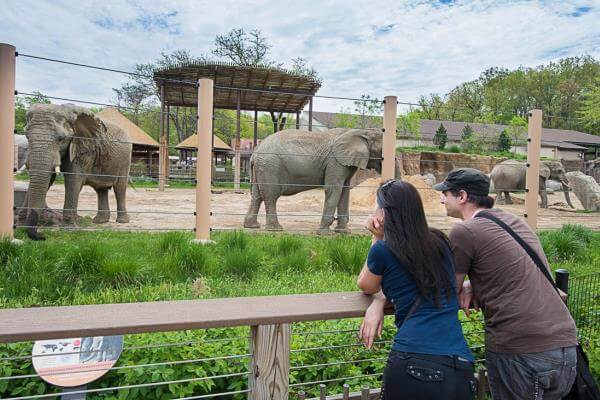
x=529 y=334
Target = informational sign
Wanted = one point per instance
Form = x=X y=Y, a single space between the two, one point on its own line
x=76 y=361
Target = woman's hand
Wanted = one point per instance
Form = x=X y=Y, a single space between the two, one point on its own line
x=373 y=322
x=375 y=224
x=466 y=298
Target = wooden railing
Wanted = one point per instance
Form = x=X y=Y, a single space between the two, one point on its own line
x=269 y=318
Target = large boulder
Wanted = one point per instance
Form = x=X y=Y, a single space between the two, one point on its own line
x=553 y=186
x=592 y=168
x=586 y=189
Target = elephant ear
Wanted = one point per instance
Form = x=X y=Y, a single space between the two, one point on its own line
x=544 y=171
x=351 y=148
x=88 y=130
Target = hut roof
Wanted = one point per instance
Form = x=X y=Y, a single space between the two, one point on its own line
x=191 y=143
x=136 y=134
x=270 y=89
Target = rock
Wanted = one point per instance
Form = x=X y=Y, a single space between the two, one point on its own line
x=592 y=168
x=586 y=189
x=47 y=216
x=553 y=186
x=429 y=179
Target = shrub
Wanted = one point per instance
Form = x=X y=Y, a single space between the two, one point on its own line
x=119 y=271
x=288 y=244
x=346 y=255
x=85 y=259
x=504 y=142
x=562 y=246
x=454 y=149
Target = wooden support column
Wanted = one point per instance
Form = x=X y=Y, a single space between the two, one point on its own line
x=203 y=162
x=236 y=172
x=310 y=113
x=298 y=120
x=270 y=363
x=532 y=177
x=388 y=166
x=162 y=150
x=7 y=139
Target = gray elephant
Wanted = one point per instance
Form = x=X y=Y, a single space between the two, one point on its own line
x=292 y=161
x=87 y=150
x=23 y=146
x=509 y=176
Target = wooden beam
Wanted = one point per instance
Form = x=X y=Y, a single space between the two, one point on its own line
x=270 y=363
x=127 y=318
x=532 y=176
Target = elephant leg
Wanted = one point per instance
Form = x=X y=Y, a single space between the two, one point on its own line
x=121 y=196
x=271 y=209
x=22 y=214
x=73 y=185
x=543 y=193
x=251 y=219
x=343 y=209
x=507 y=199
x=103 y=215
x=566 y=190
x=332 y=199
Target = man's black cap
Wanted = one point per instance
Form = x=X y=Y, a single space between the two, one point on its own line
x=468 y=179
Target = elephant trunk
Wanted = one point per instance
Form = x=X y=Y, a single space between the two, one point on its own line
x=42 y=164
x=566 y=189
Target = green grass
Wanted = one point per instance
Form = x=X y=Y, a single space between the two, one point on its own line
x=72 y=268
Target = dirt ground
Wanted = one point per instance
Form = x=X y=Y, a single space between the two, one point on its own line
x=173 y=209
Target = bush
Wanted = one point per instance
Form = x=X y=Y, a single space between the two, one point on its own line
x=441 y=137
x=504 y=142
x=454 y=149
x=562 y=245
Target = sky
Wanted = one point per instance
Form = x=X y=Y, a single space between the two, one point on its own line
x=379 y=48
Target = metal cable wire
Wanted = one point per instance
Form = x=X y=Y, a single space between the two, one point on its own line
x=95 y=103
x=340 y=346
x=110 y=211
x=301 y=367
x=148 y=365
x=206 y=396
x=112 y=229
x=136 y=386
x=346 y=378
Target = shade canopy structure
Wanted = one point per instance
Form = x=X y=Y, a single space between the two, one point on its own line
x=191 y=143
x=262 y=88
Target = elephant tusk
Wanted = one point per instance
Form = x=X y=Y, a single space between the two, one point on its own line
x=57 y=169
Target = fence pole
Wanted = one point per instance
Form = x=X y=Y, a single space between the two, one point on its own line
x=562 y=280
x=7 y=139
x=390 y=108
x=163 y=151
x=270 y=362
x=238 y=129
x=532 y=178
x=203 y=159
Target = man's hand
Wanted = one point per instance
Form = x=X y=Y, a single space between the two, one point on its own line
x=373 y=322
x=466 y=297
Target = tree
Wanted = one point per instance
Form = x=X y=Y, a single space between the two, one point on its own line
x=590 y=111
x=243 y=48
x=410 y=124
x=366 y=110
x=517 y=127
x=504 y=142
x=466 y=137
x=441 y=137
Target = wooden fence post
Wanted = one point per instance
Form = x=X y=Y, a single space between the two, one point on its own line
x=270 y=362
x=390 y=109
x=532 y=178
x=163 y=151
x=7 y=139
x=203 y=159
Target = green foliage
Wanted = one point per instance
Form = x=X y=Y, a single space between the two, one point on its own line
x=346 y=254
x=454 y=149
x=568 y=243
x=236 y=240
x=441 y=137
x=8 y=251
x=410 y=125
x=504 y=142
x=242 y=263
x=590 y=110
x=22 y=104
x=466 y=136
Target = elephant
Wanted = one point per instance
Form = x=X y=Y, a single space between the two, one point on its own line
x=291 y=161
x=87 y=150
x=509 y=176
x=23 y=148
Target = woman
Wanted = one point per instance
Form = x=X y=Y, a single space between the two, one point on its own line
x=412 y=265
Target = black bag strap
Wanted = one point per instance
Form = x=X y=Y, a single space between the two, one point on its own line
x=532 y=254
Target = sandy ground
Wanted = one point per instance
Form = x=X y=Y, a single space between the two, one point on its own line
x=173 y=209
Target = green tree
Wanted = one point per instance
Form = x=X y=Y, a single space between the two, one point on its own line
x=517 y=129
x=441 y=137
x=590 y=111
x=504 y=141
x=466 y=137
x=344 y=119
x=366 y=111
x=409 y=124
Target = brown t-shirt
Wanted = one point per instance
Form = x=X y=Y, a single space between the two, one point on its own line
x=523 y=313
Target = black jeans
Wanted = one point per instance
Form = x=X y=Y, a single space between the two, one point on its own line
x=424 y=377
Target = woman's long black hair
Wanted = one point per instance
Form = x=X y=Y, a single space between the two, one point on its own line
x=421 y=250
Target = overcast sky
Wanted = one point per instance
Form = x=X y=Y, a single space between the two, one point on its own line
x=402 y=48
